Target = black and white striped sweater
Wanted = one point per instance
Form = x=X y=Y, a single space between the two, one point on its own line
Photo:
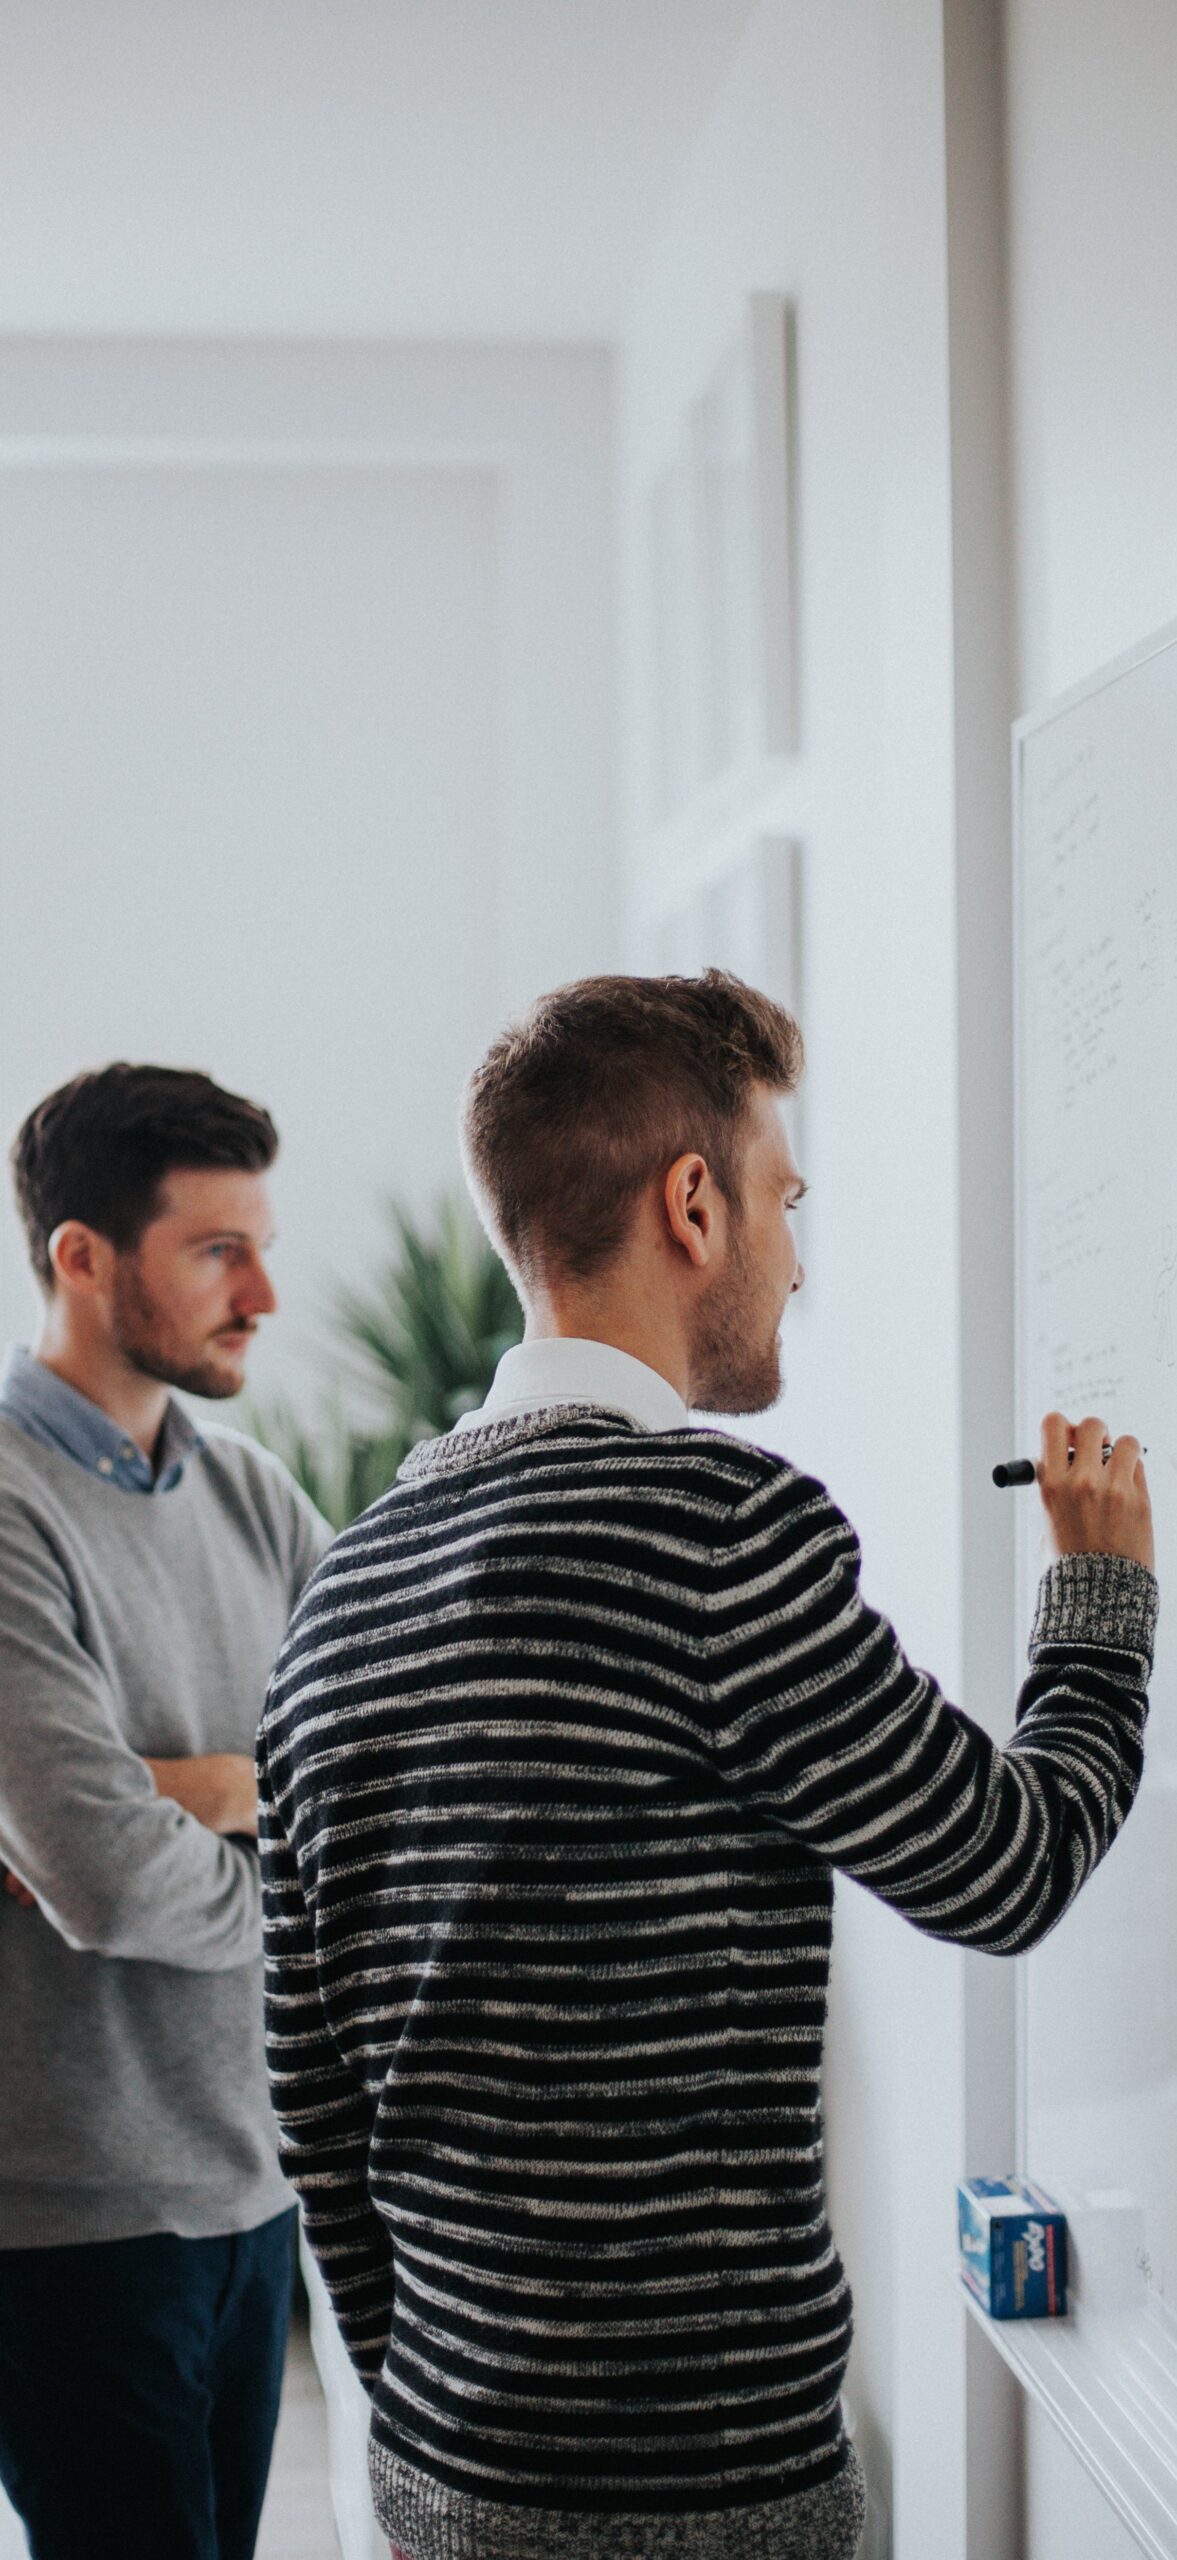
x=567 y=1735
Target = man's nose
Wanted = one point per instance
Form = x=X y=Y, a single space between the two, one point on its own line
x=256 y=1295
x=799 y=1278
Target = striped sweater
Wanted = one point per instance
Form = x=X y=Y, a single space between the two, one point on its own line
x=569 y=1733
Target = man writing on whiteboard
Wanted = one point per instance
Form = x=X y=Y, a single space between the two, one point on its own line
x=567 y=1739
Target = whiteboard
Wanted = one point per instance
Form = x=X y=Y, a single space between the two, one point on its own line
x=1095 y=793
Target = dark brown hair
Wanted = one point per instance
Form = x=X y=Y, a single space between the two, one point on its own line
x=576 y=1108
x=99 y=1148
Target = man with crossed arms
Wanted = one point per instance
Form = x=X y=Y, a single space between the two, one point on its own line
x=147 y=1570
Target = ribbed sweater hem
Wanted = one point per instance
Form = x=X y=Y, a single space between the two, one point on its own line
x=60 y=2218
x=425 y=2520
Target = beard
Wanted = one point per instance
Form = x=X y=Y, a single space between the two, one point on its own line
x=735 y=1360
x=150 y=1344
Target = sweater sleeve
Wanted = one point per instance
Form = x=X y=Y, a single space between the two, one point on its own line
x=310 y=1539
x=116 y=1869
x=824 y=1725
x=325 y=2117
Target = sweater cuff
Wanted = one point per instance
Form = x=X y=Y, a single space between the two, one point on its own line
x=1097 y=1599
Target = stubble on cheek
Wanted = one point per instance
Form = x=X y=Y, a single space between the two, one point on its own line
x=151 y=1344
x=736 y=1359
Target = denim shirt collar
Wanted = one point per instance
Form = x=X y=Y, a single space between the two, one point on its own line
x=57 y=1416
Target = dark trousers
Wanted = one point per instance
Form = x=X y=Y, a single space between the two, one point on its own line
x=139 y=2387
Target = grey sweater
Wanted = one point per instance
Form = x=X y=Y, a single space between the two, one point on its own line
x=132 y=2084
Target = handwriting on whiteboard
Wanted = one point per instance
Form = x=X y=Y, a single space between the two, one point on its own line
x=1082 y=995
x=1071 y=1227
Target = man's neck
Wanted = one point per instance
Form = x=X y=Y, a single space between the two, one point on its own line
x=623 y=1327
x=137 y=1404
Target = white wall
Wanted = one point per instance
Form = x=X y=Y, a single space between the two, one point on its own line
x=1093 y=234
x=306 y=742
x=1066 y=2516
x=379 y=169
x=822 y=175
x=1092 y=125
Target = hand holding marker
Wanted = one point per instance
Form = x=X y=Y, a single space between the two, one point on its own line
x=1024 y=1471
x=1093 y=1489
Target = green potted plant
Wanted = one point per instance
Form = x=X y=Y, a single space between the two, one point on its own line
x=419 y=1347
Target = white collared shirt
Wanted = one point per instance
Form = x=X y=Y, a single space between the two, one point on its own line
x=561 y=1369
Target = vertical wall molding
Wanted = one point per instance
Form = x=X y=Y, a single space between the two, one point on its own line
x=983 y=704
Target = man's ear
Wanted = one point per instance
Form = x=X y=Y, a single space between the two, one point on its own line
x=690 y=1200
x=80 y=1258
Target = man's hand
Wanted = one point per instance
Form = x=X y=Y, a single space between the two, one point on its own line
x=1094 y=1505
x=218 y=1787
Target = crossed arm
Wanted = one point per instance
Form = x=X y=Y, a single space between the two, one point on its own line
x=218 y=1788
x=124 y=1856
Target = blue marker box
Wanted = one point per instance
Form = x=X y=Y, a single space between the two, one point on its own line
x=1013 y=2248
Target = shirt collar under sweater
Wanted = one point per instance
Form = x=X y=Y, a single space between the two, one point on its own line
x=562 y=1370
x=59 y=1417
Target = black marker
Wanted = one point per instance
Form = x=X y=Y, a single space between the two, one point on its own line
x=1024 y=1471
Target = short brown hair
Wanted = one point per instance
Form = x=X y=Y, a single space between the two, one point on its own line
x=99 y=1148
x=576 y=1108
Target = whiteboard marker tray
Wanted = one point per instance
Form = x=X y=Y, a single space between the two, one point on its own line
x=1110 y=2388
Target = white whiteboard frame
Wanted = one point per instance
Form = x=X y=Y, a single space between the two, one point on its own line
x=1083 y=2372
